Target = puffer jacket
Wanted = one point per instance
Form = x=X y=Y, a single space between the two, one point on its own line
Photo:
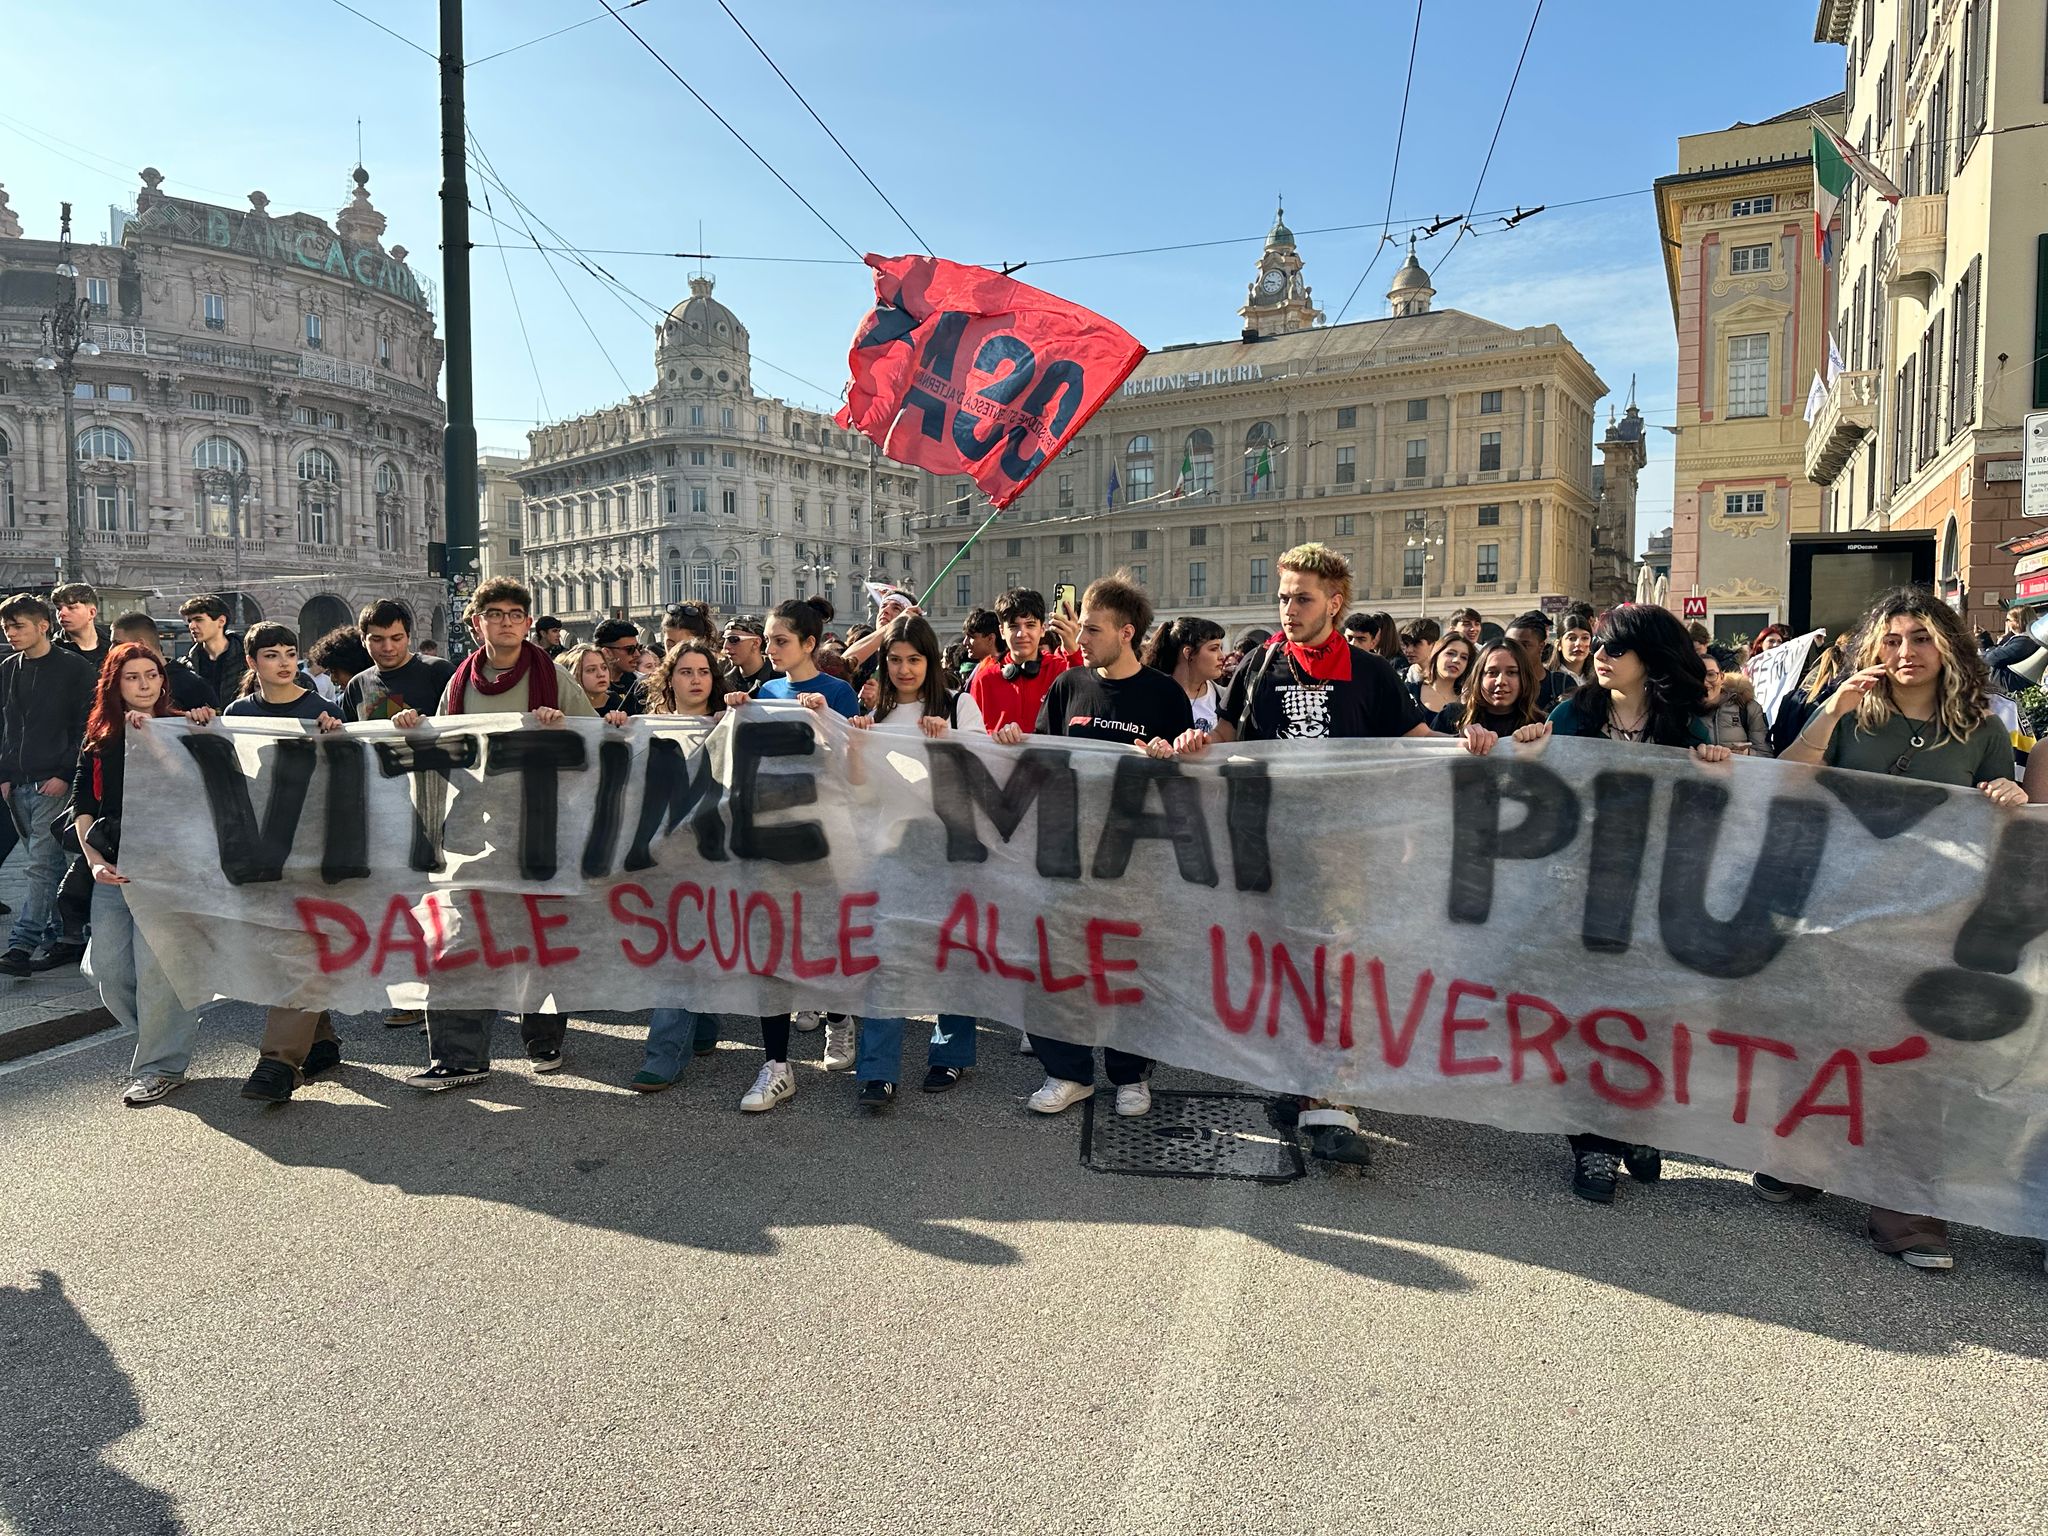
x=1738 y=723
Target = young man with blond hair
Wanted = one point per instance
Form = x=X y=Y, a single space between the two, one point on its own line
x=1309 y=684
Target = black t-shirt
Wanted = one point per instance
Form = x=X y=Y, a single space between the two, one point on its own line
x=626 y=696
x=378 y=695
x=1292 y=706
x=1148 y=703
x=307 y=706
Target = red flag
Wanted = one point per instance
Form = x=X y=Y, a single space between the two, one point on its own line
x=960 y=370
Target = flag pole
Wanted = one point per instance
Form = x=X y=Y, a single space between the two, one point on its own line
x=928 y=591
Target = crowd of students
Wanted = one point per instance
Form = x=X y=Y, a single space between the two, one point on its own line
x=1905 y=694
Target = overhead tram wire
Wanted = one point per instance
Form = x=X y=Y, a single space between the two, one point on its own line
x=610 y=361
x=1486 y=164
x=518 y=312
x=399 y=36
x=923 y=244
x=544 y=37
x=655 y=54
x=1393 y=180
x=618 y=290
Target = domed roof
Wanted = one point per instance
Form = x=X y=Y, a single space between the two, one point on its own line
x=700 y=321
x=1412 y=274
x=1280 y=234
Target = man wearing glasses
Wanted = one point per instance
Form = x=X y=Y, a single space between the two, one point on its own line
x=507 y=675
x=619 y=639
x=746 y=648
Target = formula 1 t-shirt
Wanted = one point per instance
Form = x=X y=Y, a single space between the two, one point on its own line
x=1147 y=704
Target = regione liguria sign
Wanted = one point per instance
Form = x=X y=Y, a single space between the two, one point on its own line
x=1835 y=977
x=962 y=371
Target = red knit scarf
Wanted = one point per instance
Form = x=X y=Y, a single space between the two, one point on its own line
x=1329 y=662
x=534 y=664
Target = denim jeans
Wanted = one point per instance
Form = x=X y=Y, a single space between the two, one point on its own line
x=34 y=815
x=135 y=989
x=460 y=1038
x=881 y=1047
x=674 y=1034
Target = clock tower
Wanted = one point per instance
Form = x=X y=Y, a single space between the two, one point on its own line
x=1277 y=301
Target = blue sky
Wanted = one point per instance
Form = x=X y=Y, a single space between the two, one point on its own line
x=1022 y=133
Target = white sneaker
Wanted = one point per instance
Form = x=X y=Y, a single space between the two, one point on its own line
x=839 y=1046
x=149 y=1089
x=807 y=1019
x=775 y=1084
x=1058 y=1093
x=1133 y=1099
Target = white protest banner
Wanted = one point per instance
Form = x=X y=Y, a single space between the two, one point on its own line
x=1776 y=672
x=1831 y=975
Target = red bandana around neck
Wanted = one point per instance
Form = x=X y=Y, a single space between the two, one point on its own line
x=534 y=664
x=1329 y=662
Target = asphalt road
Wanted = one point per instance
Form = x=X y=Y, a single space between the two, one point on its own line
x=550 y=1305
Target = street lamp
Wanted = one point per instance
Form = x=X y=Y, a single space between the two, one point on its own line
x=232 y=485
x=64 y=338
x=1431 y=546
x=816 y=569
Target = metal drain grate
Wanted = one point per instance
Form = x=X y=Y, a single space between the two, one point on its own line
x=1192 y=1136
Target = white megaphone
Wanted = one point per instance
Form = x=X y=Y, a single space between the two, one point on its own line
x=2035 y=665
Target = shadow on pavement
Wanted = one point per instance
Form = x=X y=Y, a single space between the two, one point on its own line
x=943 y=1176
x=63 y=1401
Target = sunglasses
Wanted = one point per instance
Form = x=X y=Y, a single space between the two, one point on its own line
x=628 y=646
x=1614 y=648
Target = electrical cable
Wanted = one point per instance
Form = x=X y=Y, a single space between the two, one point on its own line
x=655 y=54
x=518 y=312
x=1499 y=123
x=923 y=244
x=1393 y=176
x=586 y=21
x=400 y=36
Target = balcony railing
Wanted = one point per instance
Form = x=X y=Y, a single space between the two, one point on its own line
x=1848 y=415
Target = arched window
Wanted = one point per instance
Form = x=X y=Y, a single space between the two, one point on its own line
x=215 y=453
x=389 y=482
x=1259 y=458
x=1139 y=444
x=1198 y=462
x=1951 y=553
x=105 y=443
x=317 y=464
x=318 y=523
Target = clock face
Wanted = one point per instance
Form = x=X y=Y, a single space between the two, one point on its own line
x=1271 y=284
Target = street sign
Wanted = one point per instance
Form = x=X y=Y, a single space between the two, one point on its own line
x=1554 y=602
x=1695 y=607
x=2030 y=588
x=2034 y=456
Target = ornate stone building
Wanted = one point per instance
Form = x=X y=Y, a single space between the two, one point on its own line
x=1749 y=300
x=701 y=490
x=260 y=420
x=1448 y=456
x=500 y=515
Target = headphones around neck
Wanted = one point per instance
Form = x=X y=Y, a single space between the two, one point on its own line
x=1012 y=670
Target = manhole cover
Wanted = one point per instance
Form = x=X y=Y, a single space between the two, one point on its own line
x=1192 y=1136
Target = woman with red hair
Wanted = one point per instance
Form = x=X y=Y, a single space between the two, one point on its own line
x=132 y=691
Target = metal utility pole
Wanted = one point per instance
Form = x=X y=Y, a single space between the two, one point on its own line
x=64 y=337
x=458 y=440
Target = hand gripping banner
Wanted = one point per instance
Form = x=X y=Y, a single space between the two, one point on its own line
x=1835 y=977
x=963 y=371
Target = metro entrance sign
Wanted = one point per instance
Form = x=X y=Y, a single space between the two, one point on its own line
x=1695 y=607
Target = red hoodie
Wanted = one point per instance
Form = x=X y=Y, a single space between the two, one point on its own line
x=1002 y=701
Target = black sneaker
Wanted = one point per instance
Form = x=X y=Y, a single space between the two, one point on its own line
x=545 y=1058
x=1778 y=1192
x=1593 y=1176
x=323 y=1056
x=1645 y=1164
x=15 y=962
x=272 y=1082
x=54 y=957
x=1339 y=1144
x=1929 y=1256
x=942 y=1079
x=440 y=1077
x=876 y=1094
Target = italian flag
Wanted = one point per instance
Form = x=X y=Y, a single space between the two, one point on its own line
x=1836 y=164
x=1263 y=470
x=1187 y=468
